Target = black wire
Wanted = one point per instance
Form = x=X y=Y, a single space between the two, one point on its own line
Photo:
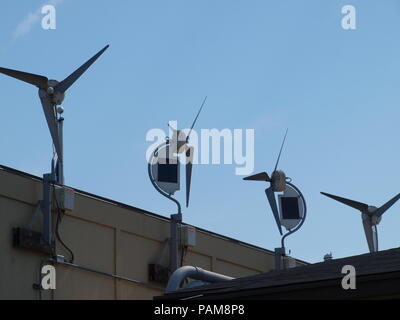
x=58 y=227
x=183 y=255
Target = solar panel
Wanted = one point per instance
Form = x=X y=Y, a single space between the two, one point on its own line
x=290 y=208
x=168 y=172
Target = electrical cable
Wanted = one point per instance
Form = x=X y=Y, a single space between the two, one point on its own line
x=182 y=255
x=58 y=227
x=184 y=250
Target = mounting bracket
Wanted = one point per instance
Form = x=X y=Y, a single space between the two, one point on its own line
x=29 y=239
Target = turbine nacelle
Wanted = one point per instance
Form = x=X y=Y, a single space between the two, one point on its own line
x=54 y=97
x=278 y=181
x=179 y=140
x=372 y=209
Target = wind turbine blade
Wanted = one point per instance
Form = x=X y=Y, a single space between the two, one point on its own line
x=369 y=233
x=387 y=205
x=195 y=120
x=354 y=204
x=272 y=202
x=35 y=79
x=189 y=166
x=263 y=176
x=69 y=81
x=48 y=109
x=279 y=156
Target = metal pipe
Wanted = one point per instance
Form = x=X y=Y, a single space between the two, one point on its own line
x=73 y=265
x=279 y=254
x=174 y=241
x=60 y=160
x=196 y=283
x=107 y=274
x=46 y=209
x=195 y=273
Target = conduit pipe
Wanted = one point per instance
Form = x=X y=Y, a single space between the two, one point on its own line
x=195 y=273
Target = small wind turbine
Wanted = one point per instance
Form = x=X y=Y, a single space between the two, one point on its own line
x=164 y=174
x=292 y=204
x=371 y=217
x=165 y=170
x=51 y=94
x=277 y=184
x=182 y=146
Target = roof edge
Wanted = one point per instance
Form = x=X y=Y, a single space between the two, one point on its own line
x=130 y=207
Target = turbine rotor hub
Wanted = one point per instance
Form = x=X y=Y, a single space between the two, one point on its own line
x=56 y=97
x=50 y=90
x=372 y=209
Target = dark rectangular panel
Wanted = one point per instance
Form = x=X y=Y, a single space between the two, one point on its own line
x=28 y=239
x=290 y=208
x=168 y=172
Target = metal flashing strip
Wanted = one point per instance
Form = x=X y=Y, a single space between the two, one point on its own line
x=108 y=274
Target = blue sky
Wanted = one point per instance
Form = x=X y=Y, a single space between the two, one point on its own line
x=264 y=65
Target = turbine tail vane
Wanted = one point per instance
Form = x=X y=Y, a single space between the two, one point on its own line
x=272 y=202
x=189 y=166
x=69 y=81
x=35 y=79
x=263 y=176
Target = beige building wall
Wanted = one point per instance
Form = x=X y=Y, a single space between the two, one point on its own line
x=109 y=237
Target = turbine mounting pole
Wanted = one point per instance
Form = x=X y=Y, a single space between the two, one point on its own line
x=45 y=204
x=60 y=161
